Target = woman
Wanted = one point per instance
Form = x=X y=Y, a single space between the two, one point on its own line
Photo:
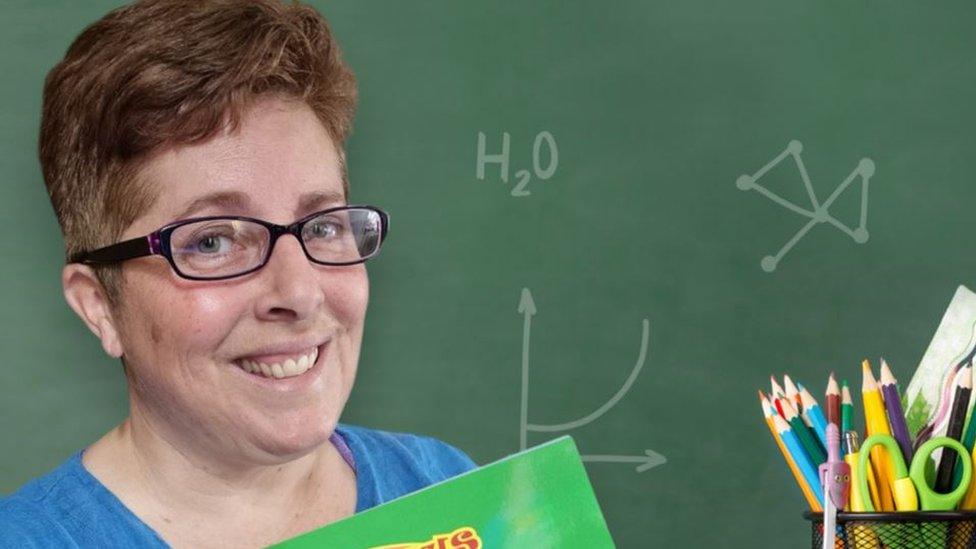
x=193 y=152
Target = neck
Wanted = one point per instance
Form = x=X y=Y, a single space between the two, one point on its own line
x=180 y=478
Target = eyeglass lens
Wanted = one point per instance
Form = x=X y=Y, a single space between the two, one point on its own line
x=224 y=247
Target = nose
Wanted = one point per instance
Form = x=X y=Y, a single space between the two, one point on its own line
x=293 y=288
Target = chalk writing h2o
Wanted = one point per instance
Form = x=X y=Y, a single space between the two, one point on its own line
x=523 y=176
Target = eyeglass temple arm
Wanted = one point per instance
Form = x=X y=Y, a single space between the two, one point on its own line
x=129 y=249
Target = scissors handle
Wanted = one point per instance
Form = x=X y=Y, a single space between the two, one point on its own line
x=930 y=499
x=904 y=491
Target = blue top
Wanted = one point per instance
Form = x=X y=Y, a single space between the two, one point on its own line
x=69 y=507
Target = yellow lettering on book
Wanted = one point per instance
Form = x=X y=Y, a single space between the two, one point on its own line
x=462 y=538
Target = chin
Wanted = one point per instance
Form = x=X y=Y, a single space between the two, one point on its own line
x=296 y=439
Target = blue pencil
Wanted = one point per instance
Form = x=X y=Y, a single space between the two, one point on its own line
x=801 y=458
x=813 y=411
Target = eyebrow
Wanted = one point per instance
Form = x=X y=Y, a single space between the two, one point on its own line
x=238 y=202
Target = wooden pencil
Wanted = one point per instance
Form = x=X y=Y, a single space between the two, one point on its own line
x=960 y=404
x=792 y=393
x=803 y=433
x=803 y=462
x=814 y=416
x=832 y=400
x=775 y=394
x=800 y=480
x=896 y=416
x=846 y=408
x=877 y=423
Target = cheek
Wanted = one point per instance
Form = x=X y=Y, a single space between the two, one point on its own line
x=351 y=298
x=181 y=322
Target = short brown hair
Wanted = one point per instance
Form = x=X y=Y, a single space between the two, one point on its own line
x=168 y=72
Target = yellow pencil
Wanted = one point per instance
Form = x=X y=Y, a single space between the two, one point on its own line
x=767 y=413
x=877 y=423
x=969 y=501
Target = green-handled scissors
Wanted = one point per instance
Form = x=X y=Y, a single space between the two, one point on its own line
x=911 y=490
x=910 y=487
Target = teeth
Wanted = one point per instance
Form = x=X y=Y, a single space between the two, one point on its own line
x=288 y=368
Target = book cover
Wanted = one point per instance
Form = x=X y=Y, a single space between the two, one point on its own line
x=537 y=498
x=929 y=393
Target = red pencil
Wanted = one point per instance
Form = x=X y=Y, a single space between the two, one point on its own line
x=776 y=394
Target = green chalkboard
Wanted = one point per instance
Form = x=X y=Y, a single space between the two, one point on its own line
x=614 y=276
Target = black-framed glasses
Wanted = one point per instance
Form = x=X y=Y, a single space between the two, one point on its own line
x=219 y=247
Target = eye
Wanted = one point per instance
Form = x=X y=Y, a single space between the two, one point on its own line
x=322 y=228
x=209 y=244
x=847 y=478
x=837 y=478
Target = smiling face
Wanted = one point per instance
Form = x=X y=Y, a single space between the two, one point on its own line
x=190 y=345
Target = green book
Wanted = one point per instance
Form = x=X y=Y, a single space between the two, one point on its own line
x=537 y=498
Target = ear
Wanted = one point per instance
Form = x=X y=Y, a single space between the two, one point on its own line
x=88 y=299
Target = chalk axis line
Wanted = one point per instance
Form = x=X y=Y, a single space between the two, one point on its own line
x=818 y=212
x=648 y=460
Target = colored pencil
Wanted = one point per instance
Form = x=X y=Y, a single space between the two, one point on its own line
x=960 y=404
x=846 y=408
x=797 y=474
x=969 y=501
x=803 y=434
x=813 y=412
x=877 y=423
x=896 y=416
x=802 y=460
x=832 y=398
x=776 y=393
x=792 y=393
x=968 y=439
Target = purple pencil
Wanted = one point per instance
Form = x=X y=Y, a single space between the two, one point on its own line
x=896 y=417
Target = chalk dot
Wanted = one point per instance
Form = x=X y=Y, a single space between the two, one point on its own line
x=795 y=147
x=744 y=182
x=860 y=235
x=866 y=167
x=768 y=263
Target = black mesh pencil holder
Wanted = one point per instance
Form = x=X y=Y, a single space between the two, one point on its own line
x=914 y=530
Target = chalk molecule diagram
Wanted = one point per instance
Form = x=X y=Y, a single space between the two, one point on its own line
x=818 y=212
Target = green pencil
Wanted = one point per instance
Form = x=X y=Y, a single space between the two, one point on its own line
x=970 y=437
x=803 y=433
x=846 y=409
